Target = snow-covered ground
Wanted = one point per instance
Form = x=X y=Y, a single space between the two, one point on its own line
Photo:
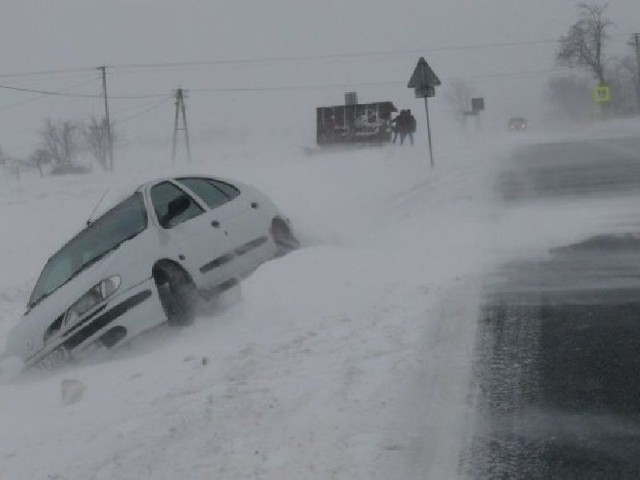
x=348 y=359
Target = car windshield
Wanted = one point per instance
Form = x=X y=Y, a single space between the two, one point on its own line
x=121 y=223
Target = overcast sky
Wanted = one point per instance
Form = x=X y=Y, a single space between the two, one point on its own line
x=49 y=35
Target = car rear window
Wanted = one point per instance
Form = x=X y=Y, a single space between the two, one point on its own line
x=210 y=193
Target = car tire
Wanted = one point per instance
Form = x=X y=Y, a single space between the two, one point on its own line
x=177 y=294
x=283 y=237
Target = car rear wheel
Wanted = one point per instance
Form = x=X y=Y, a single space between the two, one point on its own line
x=283 y=237
x=177 y=294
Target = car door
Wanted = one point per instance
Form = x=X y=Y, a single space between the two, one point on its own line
x=189 y=236
x=238 y=216
x=255 y=222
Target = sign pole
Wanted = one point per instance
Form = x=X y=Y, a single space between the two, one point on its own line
x=423 y=81
x=426 y=108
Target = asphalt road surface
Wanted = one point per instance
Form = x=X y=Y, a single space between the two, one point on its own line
x=557 y=369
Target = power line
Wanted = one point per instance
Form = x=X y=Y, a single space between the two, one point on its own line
x=133 y=106
x=332 y=55
x=513 y=74
x=81 y=95
x=144 y=111
x=138 y=96
x=265 y=60
x=268 y=60
x=292 y=87
x=47 y=72
x=329 y=56
x=42 y=96
x=48 y=92
x=364 y=84
x=248 y=89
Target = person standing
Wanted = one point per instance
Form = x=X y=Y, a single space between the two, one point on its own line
x=395 y=125
x=404 y=125
x=411 y=126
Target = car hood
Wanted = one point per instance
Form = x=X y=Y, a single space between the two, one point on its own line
x=27 y=337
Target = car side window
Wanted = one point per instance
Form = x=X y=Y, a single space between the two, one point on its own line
x=172 y=205
x=206 y=190
x=229 y=190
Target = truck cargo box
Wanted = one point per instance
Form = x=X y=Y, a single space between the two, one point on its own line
x=359 y=123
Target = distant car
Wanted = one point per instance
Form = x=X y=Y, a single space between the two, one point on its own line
x=517 y=123
x=146 y=261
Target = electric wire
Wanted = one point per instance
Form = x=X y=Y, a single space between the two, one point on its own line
x=329 y=56
x=42 y=95
x=144 y=111
x=512 y=74
x=365 y=84
x=81 y=95
x=47 y=72
x=120 y=68
x=248 y=89
x=132 y=106
x=452 y=48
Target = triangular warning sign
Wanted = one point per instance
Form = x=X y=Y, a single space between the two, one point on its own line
x=423 y=76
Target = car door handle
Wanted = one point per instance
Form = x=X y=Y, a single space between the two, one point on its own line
x=215 y=224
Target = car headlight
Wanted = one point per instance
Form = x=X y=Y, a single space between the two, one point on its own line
x=96 y=295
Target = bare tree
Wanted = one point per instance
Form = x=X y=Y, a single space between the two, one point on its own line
x=59 y=142
x=39 y=158
x=96 y=137
x=583 y=45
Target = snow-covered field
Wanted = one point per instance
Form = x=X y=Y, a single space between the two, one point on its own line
x=348 y=359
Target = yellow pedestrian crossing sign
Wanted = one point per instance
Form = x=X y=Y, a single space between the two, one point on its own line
x=602 y=94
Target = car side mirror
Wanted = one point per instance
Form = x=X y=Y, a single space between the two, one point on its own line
x=176 y=207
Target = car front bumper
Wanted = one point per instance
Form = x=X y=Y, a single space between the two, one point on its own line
x=132 y=312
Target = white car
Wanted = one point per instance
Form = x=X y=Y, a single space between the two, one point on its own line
x=144 y=262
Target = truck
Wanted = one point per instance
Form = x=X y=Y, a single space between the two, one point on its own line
x=364 y=123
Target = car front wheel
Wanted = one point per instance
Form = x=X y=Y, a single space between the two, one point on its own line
x=177 y=294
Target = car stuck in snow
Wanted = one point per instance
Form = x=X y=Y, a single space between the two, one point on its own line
x=146 y=261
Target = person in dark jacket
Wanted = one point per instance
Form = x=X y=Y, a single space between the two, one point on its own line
x=404 y=124
x=395 y=125
x=410 y=126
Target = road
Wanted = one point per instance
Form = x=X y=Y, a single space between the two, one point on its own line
x=557 y=363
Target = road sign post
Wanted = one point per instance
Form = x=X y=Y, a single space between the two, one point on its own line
x=423 y=81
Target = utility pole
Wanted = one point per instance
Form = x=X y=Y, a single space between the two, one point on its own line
x=103 y=69
x=635 y=42
x=180 y=110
